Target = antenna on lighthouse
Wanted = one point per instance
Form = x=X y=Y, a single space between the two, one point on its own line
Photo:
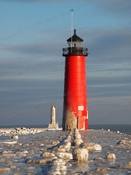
x=71 y=10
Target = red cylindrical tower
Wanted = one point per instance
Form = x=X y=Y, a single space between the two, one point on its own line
x=75 y=110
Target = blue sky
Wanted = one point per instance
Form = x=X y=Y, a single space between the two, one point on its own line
x=32 y=35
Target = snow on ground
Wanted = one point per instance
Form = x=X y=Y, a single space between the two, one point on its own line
x=26 y=151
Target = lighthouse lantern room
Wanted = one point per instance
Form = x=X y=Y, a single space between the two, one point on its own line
x=75 y=46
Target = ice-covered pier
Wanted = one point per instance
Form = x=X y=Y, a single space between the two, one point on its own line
x=39 y=151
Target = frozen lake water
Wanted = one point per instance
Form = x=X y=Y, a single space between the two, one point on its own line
x=25 y=155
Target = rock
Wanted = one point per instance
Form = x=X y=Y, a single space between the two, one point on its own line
x=105 y=169
x=66 y=140
x=77 y=142
x=58 y=162
x=47 y=160
x=77 y=136
x=58 y=167
x=64 y=155
x=17 y=129
x=38 y=131
x=23 y=128
x=111 y=156
x=91 y=146
x=124 y=143
x=47 y=154
x=61 y=150
x=76 y=130
x=40 y=161
x=25 y=151
x=69 y=137
x=25 y=131
x=55 y=142
x=80 y=154
x=127 y=165
x=21 y=153
x=54 y=171
x=2 y=160
x=10 y=142
x=62 y=168
x=66 y=146
x=13 y=167
x=98 y=159
x=4 y=170
x=26 y=145
x=8 y=155
x=6 y=152
x=15 y=137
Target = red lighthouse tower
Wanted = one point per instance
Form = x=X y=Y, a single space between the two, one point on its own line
x=75 y=111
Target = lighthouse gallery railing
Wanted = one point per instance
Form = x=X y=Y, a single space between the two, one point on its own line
x=75 y=51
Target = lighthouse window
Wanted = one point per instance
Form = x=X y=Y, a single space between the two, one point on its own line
x=80 y=44
x=69 y=44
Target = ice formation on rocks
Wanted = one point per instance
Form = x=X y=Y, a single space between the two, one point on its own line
x=44 y=160
x=10 y=142
x=19 y=131
x=58 y=167
x=80 y=154
x=22 y=153
x=48 y=154
x=77 y=137
x=111 y=156
x=55 y=142
x=4 y=170
x=15 y=137
x=76 y=130
x=126 y=165
x=77 y=142
x=61 y=149
x=64 y=155
x=124 y=143
x=91 y=146
x=66 y=145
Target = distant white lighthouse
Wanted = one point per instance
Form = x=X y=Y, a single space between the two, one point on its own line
x=53 y=124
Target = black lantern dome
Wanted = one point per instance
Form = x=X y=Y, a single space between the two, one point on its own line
x=75 y=38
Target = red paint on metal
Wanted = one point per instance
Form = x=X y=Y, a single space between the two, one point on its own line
x=75 y=97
